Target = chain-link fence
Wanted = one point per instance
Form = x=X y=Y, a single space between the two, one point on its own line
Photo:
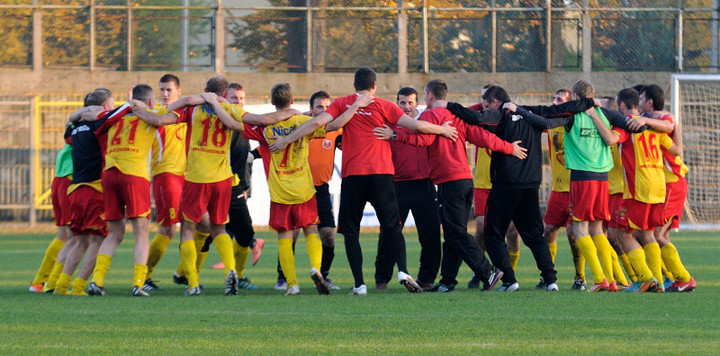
x=340 y=35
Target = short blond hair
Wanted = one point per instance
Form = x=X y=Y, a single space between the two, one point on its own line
x=584 y=89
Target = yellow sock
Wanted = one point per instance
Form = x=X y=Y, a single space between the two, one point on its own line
x=665 y=271
x=287 y=261
x=199 y=238
x=314 y=250
x=158 y=246
x=654 y=260
x=588 y=250
x=604 y=255
x=102 y=265
x=180 y=271
x=188 y=259
x=200 y=261
x=578 y=261
x=553 y=250
x=63 y=283
x=672 y=260
x=139 y=273
x=617 y=270
x=78 y=287
x=224 y=246
x=514 y=258
x=54 y=275
x=241 y=255
x=639 y=264
x=628 y=267
x=48 y=261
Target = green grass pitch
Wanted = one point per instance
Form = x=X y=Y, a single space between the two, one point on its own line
x=383 y=322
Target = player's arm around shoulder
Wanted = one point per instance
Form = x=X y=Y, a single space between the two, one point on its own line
x=151 y=117
x=608 y=136
x=303 y=130
x=424 y=124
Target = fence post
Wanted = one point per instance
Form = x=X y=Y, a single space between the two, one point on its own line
x=680 y=37
x=219 y=39
x=586 y=40
x=34 y=158
x=184 y=37
x=426 y=56
x=402 y=39
x=493 y=41
x=129 y=36
x=91 y=10
x=37 y=38
x=714 y=27
x=548 y=30
x=309 y=28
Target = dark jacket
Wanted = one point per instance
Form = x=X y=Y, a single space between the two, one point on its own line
x=509 y=171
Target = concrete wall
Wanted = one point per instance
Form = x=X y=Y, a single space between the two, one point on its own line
x=48 y=81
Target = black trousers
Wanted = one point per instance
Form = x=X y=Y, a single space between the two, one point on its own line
x=240 y=225
x=378 y=190
x=521 y=206
x=455 y=200
x=420 y=197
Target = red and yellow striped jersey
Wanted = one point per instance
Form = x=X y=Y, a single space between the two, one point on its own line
x=643 y=164
x=208 y=142
x=560 y=173
x=128 y=146
x=168 y=149
x=674 y=166
x=481 y=176
x=615 y=176
x=289 y=179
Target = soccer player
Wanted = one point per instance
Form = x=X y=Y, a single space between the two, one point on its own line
x=321 y=157
x=616 y=187
x=168 y=173
x=450 y=171
x=85 y=192
x=652 y=102
x=61 y=211
x=415 y=192
x=557 y=213
x=481 y=191
x=240 y=225
x=126 y=187
x=208 y=180
x=292 y=195
x=644 y=199
x=588 y=156
x=367 y=172
x=515 y=184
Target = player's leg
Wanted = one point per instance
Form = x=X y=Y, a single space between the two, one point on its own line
x=78 y=284
x=583 y=196
x=384 y=262
x=71 y=263
x=427 y=221
x=352 y=203
x=326 y=230
x=382 y=197
x=455 y=200
x=166 y=189
x=314 y=248
x=513 y=242
x=528 y=221
x=240 y=226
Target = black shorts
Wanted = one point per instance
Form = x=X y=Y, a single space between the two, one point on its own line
x=324 y=205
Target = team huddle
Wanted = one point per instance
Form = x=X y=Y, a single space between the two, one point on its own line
x=618 y=186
